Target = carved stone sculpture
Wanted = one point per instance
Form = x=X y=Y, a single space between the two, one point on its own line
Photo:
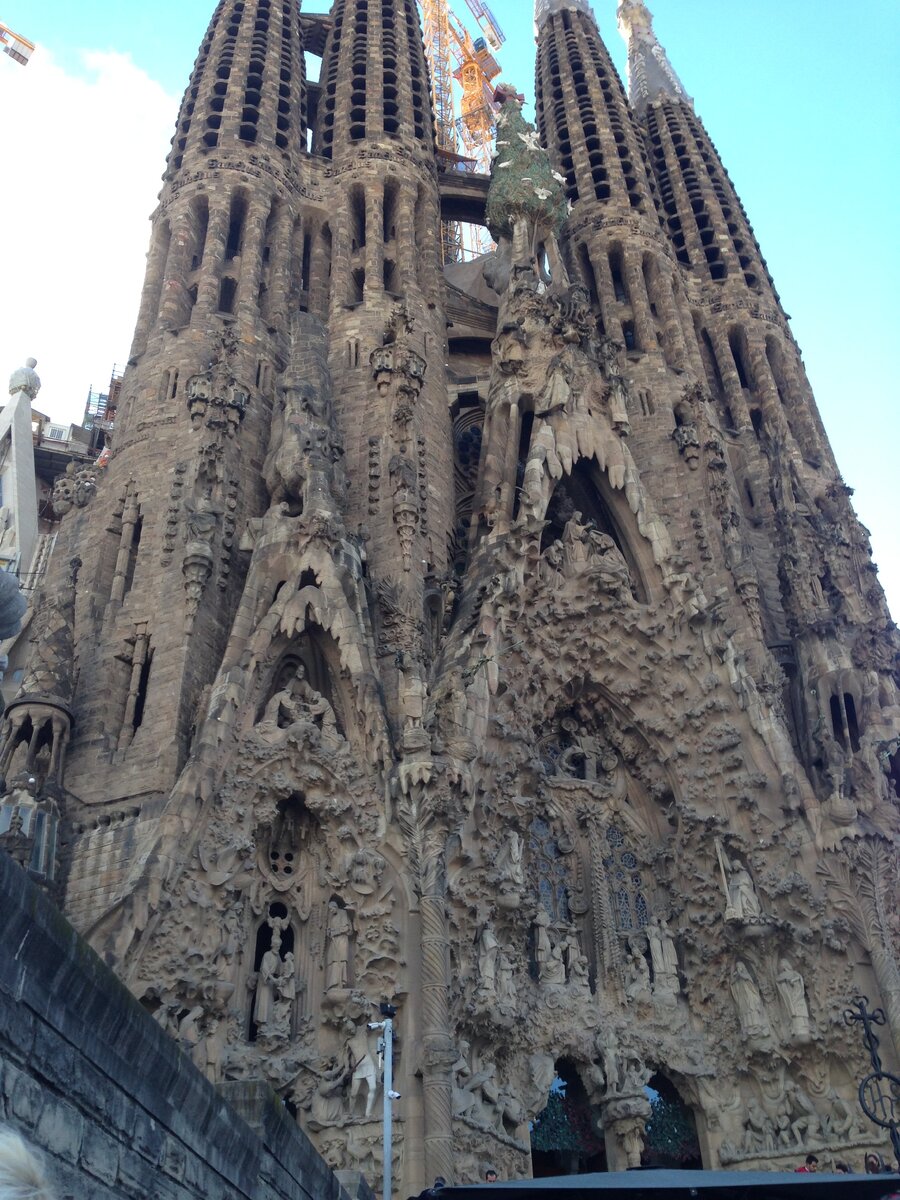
x=792 y=990
x=751 y=1010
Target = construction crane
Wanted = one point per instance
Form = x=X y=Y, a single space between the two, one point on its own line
x=466 y=143
x=18 y=48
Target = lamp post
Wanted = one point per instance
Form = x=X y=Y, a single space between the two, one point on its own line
x=879 y=1092
x=386 y=1053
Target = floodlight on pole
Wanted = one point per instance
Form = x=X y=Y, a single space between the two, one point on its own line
x=386 y=1053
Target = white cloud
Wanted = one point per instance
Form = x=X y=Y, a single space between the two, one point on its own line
x=83 y=156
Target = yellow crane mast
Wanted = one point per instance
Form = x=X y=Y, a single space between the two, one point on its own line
x=466 y=143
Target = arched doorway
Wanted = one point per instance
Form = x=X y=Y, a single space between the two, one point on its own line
x=671 y=1139
x=565 y=1137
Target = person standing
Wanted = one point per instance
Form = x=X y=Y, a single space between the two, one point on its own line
x=809 y=1167
x=490 y=1175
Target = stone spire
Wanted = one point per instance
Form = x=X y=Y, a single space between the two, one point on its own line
x=650 y=73
x=544 y=8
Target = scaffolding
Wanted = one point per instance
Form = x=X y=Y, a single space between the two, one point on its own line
x=467 y=142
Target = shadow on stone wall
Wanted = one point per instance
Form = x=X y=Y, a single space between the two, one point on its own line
x=118 y=1111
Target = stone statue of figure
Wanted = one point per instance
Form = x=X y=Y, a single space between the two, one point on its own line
x=488 y=952
x=759 y=1131
x=806 y=1124
x=743 y=902
x=298 y=702
x=664 y=958
x=361 y=1065
x=793 y=995
x=26 y=380
x=327 y=1110
x=541 y=942
x=269 y=971
x=577 y=970
x=506 y=988
x=554 y=971
x=285 y=987
x=337 y=963
x=637 y=985
x=751 y=1010
x=508 y=862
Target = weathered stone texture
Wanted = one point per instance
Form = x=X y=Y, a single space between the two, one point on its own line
x=498 y=642
x=115 y=1106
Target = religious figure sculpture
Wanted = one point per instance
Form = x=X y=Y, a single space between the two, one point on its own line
x=542 y=945
x=665 y=960
x=340 y=931
x=327 y=1105
x=269 y=970
x=742 y=902
x=361 y=1065
x=751 y=1010
x=508 y=864
x=488 y=952
x=792 y=990
x=805 y=1123
x=298 y=703
x=637 y=982
x=554 y=971
x=759 y=1130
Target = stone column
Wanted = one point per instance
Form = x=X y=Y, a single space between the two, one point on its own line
x=153 y=285
x=281 y=264
x=624 y=1124
x=606 y=292
x=406 y=237
x=635 y=284
x=374 y=238
x=174 y=309
x=731 y=382
x=252 y=258
x=210 y=272
x=439 y=1051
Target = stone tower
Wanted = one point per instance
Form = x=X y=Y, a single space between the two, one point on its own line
x=496 y=642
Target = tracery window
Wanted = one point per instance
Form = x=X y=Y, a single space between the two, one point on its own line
x=549 y=872
x=625 y=882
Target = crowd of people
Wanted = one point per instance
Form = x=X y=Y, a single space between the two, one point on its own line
x=873 y=1164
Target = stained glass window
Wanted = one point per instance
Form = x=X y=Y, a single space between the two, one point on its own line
x=625 y=881
x=549 y=872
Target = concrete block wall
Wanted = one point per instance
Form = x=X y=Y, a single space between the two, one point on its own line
x=117 y=1110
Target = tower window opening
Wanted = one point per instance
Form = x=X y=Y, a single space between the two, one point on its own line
x=524 y=447
x=837 y=721
x=737 y=342
x=852 y=722
x=227 y=294
x=133 y=555
x=629 y=335
x=756 y=420
x=235 y=240
x=143 y=688
x=616 y=267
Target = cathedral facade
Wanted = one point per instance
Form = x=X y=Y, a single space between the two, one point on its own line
x=496 y=641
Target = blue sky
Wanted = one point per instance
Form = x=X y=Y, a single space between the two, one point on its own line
x=799 y=96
